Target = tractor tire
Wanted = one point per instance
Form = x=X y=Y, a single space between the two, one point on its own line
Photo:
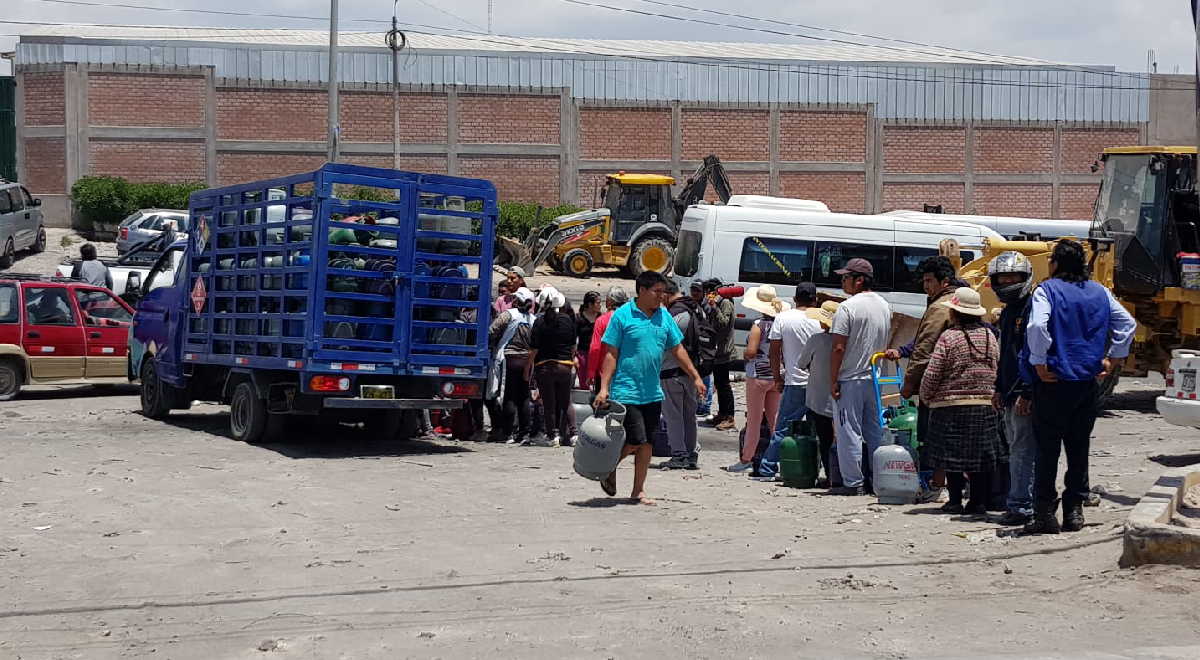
x=156 y=395
x=1105 y=392
x=247 y=414
x=10 y=379
x=555 y=262
x=383 y=424
x=578 y=263
x=654 y=254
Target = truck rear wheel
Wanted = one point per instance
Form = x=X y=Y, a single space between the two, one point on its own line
x=247 y=414
x=156 y=398
x=578 y=263
x=383 y=424
x=654 y=254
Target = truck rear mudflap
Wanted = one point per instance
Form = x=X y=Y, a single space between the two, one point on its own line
x=356 y=403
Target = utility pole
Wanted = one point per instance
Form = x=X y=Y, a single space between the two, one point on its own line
x=393 y=36
x=334 y=130
x=489 y=16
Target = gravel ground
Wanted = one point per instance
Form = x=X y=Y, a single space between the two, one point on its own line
x=129 y=538
x=61 y=245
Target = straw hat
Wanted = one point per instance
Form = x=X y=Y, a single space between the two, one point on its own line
x=764 y=300
x=965 y=301
x=824 y=313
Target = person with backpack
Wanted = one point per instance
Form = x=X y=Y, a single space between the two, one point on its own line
x=761 y=394
x=790 y=332
x=679 y=392
x=722 y=320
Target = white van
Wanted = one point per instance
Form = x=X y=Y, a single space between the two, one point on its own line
x=755 y=240
x=1009 y=227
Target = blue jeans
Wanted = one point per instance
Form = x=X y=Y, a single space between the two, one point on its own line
x=1022 y=448
x=706 y=407
x=792 y=408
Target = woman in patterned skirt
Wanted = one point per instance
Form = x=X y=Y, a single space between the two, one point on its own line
x=964 y=430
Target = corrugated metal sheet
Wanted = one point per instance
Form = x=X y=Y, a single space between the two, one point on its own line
x=1013 y=89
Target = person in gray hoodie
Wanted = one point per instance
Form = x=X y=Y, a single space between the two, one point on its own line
x=92 y=270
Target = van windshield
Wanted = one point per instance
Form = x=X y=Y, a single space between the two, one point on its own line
x=687 y=254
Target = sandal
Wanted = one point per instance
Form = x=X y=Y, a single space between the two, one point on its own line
x=609 y=485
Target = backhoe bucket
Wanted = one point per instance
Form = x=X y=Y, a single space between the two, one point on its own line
x=511 y=252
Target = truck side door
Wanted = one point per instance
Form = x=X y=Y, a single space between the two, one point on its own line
x=53 y=333
x=8 y=222
x=106 y=322
x=31 y=218
x=160 y=312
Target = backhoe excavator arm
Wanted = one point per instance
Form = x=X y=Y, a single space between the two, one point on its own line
x=693 y=191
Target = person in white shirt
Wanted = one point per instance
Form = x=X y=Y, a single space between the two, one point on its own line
x=860 y=330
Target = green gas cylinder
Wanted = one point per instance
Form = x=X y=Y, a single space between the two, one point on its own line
x=799 y=456
x=904 y=424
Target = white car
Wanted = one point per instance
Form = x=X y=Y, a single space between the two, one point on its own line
x=1179 y=405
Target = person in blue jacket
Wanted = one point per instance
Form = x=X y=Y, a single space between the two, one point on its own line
x=1077 y=335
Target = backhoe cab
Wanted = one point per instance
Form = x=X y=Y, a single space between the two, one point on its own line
x=635 y=230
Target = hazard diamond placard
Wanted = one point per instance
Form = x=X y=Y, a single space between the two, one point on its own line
x=199 y=295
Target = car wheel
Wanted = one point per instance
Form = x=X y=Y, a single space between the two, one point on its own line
x=39 y=245
x=577 y=263
x=654 y=254
x=247 y=414
x=9 y=256
x=156 y=402
x=10 y=380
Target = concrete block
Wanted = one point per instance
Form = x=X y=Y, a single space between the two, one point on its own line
x=1150 y=538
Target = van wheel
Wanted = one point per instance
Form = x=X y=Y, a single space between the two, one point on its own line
x=10 y=380
x=654 y=254
x=578 y=263
x=247 y=414
x=156 y=398
x=39 y=246
x=9 y=256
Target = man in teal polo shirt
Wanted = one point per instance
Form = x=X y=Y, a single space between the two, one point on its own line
x=638 y=335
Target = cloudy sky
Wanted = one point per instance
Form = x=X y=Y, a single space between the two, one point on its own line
x=1111 y=32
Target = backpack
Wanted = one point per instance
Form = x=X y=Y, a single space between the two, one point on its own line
x=700 y=337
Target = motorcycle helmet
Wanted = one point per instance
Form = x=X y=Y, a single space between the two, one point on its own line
x=1011 y=262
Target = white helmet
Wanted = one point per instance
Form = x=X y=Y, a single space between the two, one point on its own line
x=1011 y=262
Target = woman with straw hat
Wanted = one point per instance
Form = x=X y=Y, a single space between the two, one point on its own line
x=964 y=429
x=761 y=393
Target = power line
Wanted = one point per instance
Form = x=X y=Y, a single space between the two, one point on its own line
x=454 y=16
x=214 y=12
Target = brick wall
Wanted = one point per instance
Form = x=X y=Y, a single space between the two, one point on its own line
x=1082 y=147
x=46 y=165
x=730 y=134
x=1022 y=201
x=913 y=196
x=495 y=118
x=272 y=114
x=823 y=136
x=233 y=168
x=422 y=164
x=1077 y=201
x=45 y=103
x=841 y=192
x=1014 y=150
x=625 y=133
x=367 y=117
x=517 y=179
x=924 y=150
x=140 y=161
x=742 y=183
x=124 y=99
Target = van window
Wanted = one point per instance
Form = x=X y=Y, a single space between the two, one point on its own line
x=6 y=205
x=831 y=256
x=687 y=255
x=775 y=261
x=907 y=260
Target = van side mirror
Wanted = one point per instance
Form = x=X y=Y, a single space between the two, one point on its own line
x=37 y=201
x=133 y=285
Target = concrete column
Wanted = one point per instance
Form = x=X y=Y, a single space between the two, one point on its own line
x=19 y=118
x=452 y=132
x=1056 y=176
x=878 y=166
x=76 y=122
x=677 y=141
x=568 y=162
x=211 y=172
x=874 y=154
x=774 y=132
x=969 y=171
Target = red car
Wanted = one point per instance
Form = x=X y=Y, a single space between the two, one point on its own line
x=60 y=331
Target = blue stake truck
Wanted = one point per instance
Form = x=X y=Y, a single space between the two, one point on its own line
x=296 y=296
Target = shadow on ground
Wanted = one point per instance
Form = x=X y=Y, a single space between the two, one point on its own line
x=1136 y=401
x=1174 y=461
x=80 y=392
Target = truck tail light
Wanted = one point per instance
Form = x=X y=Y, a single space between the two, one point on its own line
x=460 y=388
x=1170 y=378
x=329 y=383
x=124 y=233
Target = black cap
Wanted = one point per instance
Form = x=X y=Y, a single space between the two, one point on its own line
x=806 y=292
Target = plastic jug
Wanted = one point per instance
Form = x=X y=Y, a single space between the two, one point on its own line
x=799 y=456
x=581 y=401
x=895 y=477
x=601 y=438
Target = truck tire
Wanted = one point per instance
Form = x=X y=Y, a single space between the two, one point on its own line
x=8 y=256
x=654 y=254
x=156 y=398
x=578 y=263
x=39 y=244
x=10 y=380
x=383 y=424
x=247 y=414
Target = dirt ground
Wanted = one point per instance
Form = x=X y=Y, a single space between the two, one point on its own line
x=128 y=538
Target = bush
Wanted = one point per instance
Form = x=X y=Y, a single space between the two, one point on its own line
x=518 y=219
x=110 y=200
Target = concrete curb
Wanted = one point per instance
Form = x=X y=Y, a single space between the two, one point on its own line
x=1150 y=538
